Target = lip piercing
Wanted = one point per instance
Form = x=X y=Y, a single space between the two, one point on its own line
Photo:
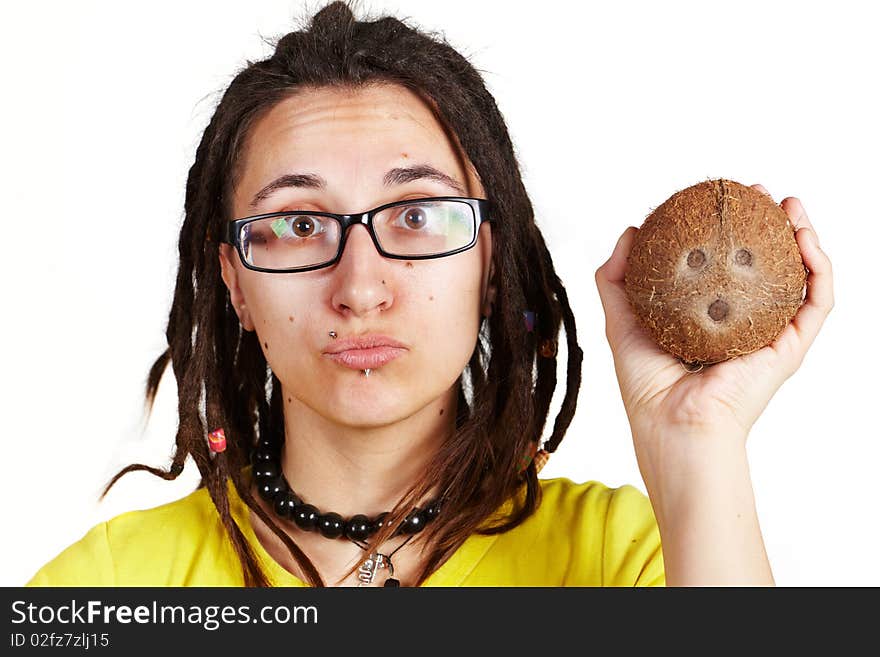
x=367 y=372
x=332 y=334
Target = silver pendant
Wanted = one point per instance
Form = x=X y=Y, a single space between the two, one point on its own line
x=371 y=565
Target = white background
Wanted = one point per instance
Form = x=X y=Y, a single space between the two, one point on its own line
x=612 y=107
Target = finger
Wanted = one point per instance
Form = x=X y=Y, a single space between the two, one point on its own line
x=820 y=288
x=639 y=362
x=801 y=332
x=811 y=251
x=761 y=189
x=797 y=214
x=614 y=268
x=612 y=289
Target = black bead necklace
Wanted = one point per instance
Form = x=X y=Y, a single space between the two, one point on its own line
x=273 y=487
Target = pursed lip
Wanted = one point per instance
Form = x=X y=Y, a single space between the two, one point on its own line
x=365 y=351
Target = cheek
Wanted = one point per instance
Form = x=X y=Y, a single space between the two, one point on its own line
x=448 y=316
x=280 y=315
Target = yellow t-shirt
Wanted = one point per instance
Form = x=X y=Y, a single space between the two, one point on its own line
x=581 y=535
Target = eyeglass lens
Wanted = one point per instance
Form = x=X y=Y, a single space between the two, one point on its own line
x=416 y=229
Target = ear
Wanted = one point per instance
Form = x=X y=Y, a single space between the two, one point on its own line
x=489 y=288
x=230 y=277
x=490 y=299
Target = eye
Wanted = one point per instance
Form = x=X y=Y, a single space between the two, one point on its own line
x=696 y=258
x=743 y=257
x=415 y=217
x=304 y=226
x=297 y=226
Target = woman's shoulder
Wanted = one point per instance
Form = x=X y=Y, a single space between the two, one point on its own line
x=185 y=515
x=568 y=489
x=145 y=547
x=582 y=534
x=567 y=503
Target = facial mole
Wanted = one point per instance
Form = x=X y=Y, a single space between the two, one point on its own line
x=266 y=344
x=431 y=298
x=404 y=155
x=441 y=411
x=743 y=257
x=696 y=258
x=289 y=399
x=383 y=281
x=290 y=318
x=409 y=264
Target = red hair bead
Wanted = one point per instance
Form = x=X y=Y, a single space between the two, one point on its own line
x=217 y=440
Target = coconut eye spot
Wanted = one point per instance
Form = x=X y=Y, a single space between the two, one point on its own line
x=718 y=310
x=696 y=258
x=743 y=257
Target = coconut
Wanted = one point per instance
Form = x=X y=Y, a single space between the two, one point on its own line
x=715 y=272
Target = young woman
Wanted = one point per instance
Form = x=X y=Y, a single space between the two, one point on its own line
x=364 y=335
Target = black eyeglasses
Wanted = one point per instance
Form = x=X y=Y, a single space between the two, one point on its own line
x=301 y=240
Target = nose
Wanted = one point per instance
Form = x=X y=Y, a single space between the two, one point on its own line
x=362 y=284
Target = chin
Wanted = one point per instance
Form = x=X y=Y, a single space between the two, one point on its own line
x=368 y=418
x=378 y=406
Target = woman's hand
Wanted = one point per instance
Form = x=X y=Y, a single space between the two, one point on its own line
x=690 y=428
x=722 y=400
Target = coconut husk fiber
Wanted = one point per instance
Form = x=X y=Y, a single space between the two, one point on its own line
x=715 y=272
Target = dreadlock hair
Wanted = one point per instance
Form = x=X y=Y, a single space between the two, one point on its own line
x=222 y=375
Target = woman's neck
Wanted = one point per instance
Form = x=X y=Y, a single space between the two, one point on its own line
x=367 y=470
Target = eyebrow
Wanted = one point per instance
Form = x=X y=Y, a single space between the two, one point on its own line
x=399 y=176
x=396 y=176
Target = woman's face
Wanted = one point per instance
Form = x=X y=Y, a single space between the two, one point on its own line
x=339 y=145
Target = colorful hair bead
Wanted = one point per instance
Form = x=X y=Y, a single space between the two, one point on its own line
x=539 y=456
x=529 y=316
x=217 y=440
x=528 y=456
x=541 y=459
x=548 y=348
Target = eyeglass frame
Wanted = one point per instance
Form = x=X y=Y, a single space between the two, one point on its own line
x=232 y=230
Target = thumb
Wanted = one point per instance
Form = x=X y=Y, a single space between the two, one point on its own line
x=615 y=267
x=612 y=291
